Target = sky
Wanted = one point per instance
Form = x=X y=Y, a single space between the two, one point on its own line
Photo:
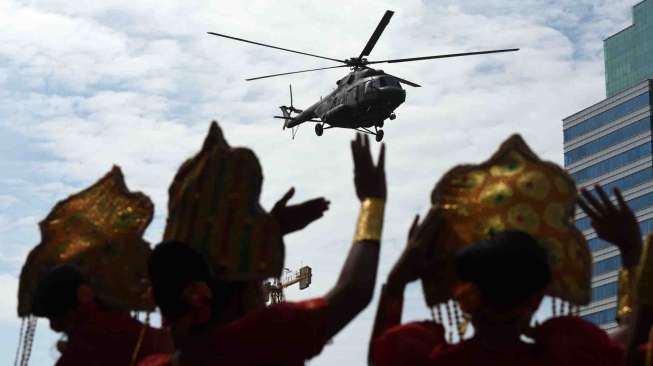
x=136 y=83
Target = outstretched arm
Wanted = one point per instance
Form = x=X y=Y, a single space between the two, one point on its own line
x=417 y=258
x=642 y=317
x=292 y=218
x=355 y=286
x=617 y=224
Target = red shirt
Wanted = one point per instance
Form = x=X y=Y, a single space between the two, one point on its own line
x=283 y=334
x=109 y=339
x=559 y=341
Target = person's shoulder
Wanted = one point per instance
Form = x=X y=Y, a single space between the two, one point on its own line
x=409 y=343
x=315 y=303
x=288 y=309
x=571 y=337
x=573 y=325
x=424 y=335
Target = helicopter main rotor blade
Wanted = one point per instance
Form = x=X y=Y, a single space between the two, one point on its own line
x=404 y=81
x=441 y=56
x=275 y=47
x=295 y=72
x=377 y=33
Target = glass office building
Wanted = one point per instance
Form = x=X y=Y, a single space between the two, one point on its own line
x=610 y=143
x=629 y=53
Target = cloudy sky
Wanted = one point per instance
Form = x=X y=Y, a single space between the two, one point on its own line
x=135 y=83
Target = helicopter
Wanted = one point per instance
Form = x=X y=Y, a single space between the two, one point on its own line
x=363 y=99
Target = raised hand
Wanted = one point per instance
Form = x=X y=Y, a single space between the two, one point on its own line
x=419 y=254
x=296 y=217
x=369 y=179
x=616 y=225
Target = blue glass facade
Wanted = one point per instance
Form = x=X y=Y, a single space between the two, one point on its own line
x=607 y=265
x=630 y=181
x=636 y=149
x=608 y=165
x=597 y=244
x=640 y=127
x=604 y=291
x=604 y=118
x=602 y=317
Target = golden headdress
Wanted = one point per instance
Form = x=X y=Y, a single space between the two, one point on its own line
x=99 y=230
x=514 y=189
x=214 y=207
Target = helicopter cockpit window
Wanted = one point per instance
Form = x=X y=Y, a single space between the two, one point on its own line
x=382 y=82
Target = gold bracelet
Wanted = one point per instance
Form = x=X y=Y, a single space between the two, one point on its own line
x=645 y=278
x=626 y=292
x=370 y=220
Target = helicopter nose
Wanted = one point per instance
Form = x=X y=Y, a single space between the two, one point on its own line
x=393 y=95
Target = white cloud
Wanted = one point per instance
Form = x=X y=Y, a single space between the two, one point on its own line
x=86 y=86
x=8 y=291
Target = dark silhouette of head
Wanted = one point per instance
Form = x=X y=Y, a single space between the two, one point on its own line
x=511 y=271
x=186 y=292
x=173 y=266
x=56 y=292
x=509 y=268
x=63 y=297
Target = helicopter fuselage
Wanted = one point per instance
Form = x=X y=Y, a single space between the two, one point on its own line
x=363 y=98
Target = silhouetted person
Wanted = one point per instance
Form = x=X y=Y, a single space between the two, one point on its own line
x=501 y=284
x=211 y=323
x=97 y=334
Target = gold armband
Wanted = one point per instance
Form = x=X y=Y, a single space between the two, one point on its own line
x=626 y=293
x=370 y=220
x=645 y=278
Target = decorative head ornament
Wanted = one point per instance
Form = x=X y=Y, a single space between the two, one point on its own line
x=98 y=230
x=214 y=207
x=514 y=189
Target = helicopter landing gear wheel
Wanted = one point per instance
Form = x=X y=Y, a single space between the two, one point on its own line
x=392 y=116
x=319 y=129
x=379 y=135
x=379 y=124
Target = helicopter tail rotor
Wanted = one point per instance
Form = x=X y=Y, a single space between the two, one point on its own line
x=287 y=112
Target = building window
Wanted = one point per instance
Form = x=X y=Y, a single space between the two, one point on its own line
x=613 y=138
x=629 y=181
x=611 y=115
x=597 y=244
x=604 y=291
x=613 y=163
x=382 y=82
x=602 y=317
x=607 y=265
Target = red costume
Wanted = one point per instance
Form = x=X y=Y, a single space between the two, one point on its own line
x=282 y=334
x=109 y=339
x=559 y=341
